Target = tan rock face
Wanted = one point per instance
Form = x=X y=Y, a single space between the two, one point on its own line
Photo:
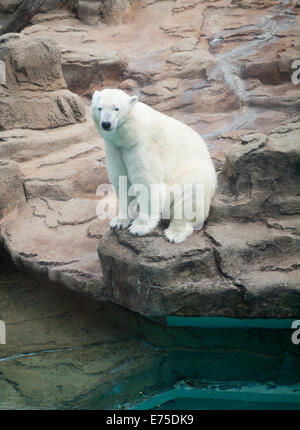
x=32 y=64
x=40 y=111
x=85 y=62
x=89 y=11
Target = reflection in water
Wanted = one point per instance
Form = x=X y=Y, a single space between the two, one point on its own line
x=64 y=350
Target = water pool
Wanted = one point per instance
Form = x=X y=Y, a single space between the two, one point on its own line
x=224 y=396
x=65 y=351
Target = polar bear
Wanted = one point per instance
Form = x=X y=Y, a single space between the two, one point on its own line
x=149 y=148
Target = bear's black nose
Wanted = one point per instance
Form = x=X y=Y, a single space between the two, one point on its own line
x=106 y=125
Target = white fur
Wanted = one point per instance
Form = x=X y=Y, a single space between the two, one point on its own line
x=151 y=148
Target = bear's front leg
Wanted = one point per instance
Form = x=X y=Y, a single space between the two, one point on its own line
x=125 y=216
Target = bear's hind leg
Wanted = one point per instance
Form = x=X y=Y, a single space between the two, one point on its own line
x=191 y=203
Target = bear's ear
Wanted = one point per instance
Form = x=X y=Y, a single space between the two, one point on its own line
x=133 y=100
x=96 y=97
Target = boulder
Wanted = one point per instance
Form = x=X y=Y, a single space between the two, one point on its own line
x=32 y=64
x=89 y=11
x=34 y=95
x=108 y=11
x=261 y=177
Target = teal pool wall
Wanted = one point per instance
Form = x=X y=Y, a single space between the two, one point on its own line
x=224 y=322
x=227 y=349
x=225 y=363
x=251 y=396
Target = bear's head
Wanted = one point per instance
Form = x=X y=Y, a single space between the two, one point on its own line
x=110 y=108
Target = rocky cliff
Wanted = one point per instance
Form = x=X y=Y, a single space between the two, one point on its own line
x=224 y=67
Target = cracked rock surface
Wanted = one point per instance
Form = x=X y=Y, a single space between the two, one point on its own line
x=224 y=67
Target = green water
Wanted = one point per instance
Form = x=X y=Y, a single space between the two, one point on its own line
x=240 y=395
x=66 y=351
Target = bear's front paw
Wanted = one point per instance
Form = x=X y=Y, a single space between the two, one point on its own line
x=119 y=223
x=141 y=227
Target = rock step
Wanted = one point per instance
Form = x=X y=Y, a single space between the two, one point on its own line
x=58 y=240
x=64 y=175
x=23 y=145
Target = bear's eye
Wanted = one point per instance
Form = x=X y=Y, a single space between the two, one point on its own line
x=99 y=108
